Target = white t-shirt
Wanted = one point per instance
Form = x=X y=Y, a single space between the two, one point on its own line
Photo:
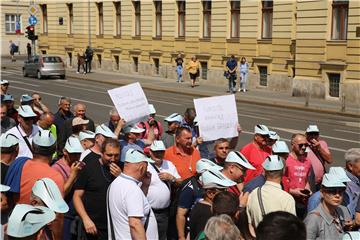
x=159 y=194
x=126 y=199
x=24 y=150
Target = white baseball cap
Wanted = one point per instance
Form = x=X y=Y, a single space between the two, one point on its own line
x=261 y=129
x=312 y=128
x=26 y=111
x=152 y=109
x=26 y=98
x=237 y=157
x=86 y=134
x=330 y=180
x=3 y=81
x=105 y=131
x=340 y=173
x=73 y=145
x=205 y=164
x=175 y=117
x=136 y=156
x=44 y=138
x=4 y=188
x=8 y=97
x=273 y=135
x=273 y=163
x=8 y=140
x=280 y=147
x=26 y=220
x=133 y=129
x=353 y=235
x=79 y=121
x=47 y=190
x=215 y=179
x=157 y=146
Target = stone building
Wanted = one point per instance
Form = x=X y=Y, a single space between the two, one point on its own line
x=301 y=46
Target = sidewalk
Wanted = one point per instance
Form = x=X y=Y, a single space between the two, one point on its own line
x=254 y=96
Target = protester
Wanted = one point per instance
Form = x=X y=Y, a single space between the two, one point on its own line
x=115 y=123
x=193 y=67
x=269 y=197
x=6 y=122
x=91 y=187
x=4 y=86
x=221 y=227
x=231 y=68
x=174 y=122
x=256 y=151
x=151 y=124
x=89 y=53
x=26 y=99
x=87 y=139
x=179 y=67
x=11 y=111
x=38 y=105
x=188 y=120
x=9 y=146
x=244 y=70
x=281 y=149
x=221 y=150
x=329 y=220
x=281 y=226
x=129 y=213
x=62 y=114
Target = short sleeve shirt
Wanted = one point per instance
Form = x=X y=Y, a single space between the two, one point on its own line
x=296 y=172
x=189 y=196
x=231 y=64
x=316 y=163
x=24 y=150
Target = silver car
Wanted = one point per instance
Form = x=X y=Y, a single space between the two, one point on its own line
x=44 y=66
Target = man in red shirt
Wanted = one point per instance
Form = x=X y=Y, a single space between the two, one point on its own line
x=256 y=151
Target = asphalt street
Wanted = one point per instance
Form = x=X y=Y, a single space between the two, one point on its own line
x=341 y=133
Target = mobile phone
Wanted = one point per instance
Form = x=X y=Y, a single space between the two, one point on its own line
x=305 y=191
x=82 y=164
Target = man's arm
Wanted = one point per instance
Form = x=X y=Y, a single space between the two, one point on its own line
x=80 y=209
x=180 y=222
x=137 y=230
x=150 y=138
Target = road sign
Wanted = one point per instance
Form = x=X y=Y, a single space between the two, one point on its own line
x=33 y=9
x=32 y=20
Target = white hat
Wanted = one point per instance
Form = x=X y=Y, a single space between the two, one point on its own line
x=26 y=111
x=273 y=135
x=133 y=129
x=273 y=163
x=261 y=129
x=312 y=128
x=47 y=190
x=8 y=97
x=79 y=121
x=152 y=109
x=205 y=164
x=196 y=121
x=157 y=146
x=215 y=179
x=44 y=138
x=26 y=98
x=105 y=131
x=73 y=145
x=3 y=81
x=26 y=220
x=175 y=117
x=8 y=140
x=330 y=180
x=135 y=156
x=280 y=147
x=4 y=188
x=353 y=235
x=340 y=173
x=86 y=134
x=237 y=157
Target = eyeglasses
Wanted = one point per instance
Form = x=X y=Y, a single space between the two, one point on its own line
x=302 y=145
x=334 y=191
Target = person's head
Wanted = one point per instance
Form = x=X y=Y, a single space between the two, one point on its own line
x=64 y=104
x=3 y=111
x=114 y=116
x=273 y=138
x=332 y=190
x=183 y=138
x=44 y=144
x=190 y=115
x=221 y=227
x=72 y=150
x=273 y=167
x=173 y=121
x=232 y=57
x=221 y=148
x=352 y=157
x=281 y=226
x=4 y=86
x=152 y=111
x=87 y=139
x=235 y=166
x=213 y=182
x=243 y=60
x=79 y=110
x=102 y=132
x=79 y=124
x=26 y=99
x=46 y=120
x=261 y=135
x=136 y=163
x=226 y=203
x=132 y=132
x=299 y=145
x=110 y=151
x=9 y=146
x=26 y=117
x=8 y=100
x=157 y=151
x=193 y=58
x=36 y=98
x=281 y=149
x=312 y=132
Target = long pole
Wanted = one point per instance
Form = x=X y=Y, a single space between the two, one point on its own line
x=89 y=24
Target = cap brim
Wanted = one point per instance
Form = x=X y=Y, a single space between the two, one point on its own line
x=4 y=188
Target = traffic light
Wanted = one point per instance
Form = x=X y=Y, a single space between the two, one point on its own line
x=30 y=31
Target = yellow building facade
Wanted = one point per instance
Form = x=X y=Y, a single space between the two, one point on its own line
x=303 y=46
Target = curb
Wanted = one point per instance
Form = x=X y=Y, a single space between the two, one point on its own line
x=260 y=103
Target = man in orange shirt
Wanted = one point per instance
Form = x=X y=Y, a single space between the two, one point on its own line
x=183 y=155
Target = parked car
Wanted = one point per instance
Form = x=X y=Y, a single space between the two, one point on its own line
x=44 y=66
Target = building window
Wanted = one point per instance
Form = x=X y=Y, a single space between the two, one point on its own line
x=206 y=18
x=99 y=60
x=267 y=16
x=70 y=17
x=137 y=10
x=339 y=19
x=235 y=19
x=263 y=75
x=117 y=7
x=204 y=70
x=117 y=65
x=136 y=64
x=12 y=23
x=156 y=65
x=100 y=10
x=44 y=18
x=334 y=84
x=181 y=18
x=158 y=13
x=70 y=58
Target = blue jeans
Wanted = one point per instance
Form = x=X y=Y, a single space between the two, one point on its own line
x=179 y=70
x=232 y=83
x=243 y=80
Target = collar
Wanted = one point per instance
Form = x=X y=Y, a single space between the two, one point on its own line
x=277 y=185
x=352 y=177
x=177 y=151
x=325 y=215
x=127 y=177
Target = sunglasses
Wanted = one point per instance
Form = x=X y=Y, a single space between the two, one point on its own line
x=334 y=191
x=302 y=145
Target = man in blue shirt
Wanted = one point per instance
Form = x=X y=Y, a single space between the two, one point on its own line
x=231 y=67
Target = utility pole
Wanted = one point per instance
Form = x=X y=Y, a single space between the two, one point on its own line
x=89 y=23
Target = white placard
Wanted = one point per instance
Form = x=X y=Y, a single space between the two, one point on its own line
x=130 y=102
x=217 y=117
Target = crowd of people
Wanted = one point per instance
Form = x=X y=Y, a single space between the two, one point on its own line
x=65 y=177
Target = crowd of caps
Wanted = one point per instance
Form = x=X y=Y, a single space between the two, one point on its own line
x=64 y=178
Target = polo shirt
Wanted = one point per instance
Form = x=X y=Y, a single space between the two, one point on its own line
x=256 y=157
x=159 y=193
x=124 y=146
x=296 y=172
x=125 y=200
x=185 y=164
x=321 y=225
x=273 y=198
x=317 y=163
x=24 y=150
x=352 y=193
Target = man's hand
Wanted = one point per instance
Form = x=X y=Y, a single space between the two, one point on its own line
x=297 y=192
x=89 y=226
x=315 y=145
x=75 y=168
x=243 y=198
x=115 y=170
x=238 y=128
x=164 y=176
x=121 y=123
